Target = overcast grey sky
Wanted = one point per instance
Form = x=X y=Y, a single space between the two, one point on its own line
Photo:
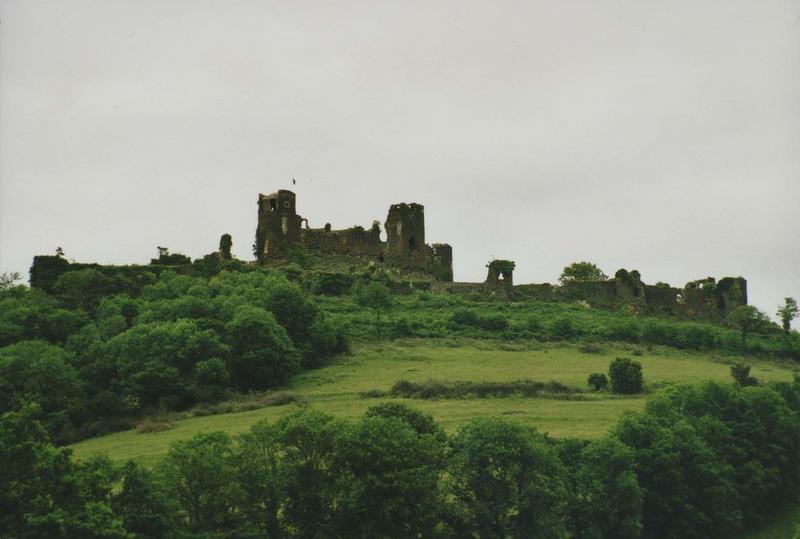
x=656 y=135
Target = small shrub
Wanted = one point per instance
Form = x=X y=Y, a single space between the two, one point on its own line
x=373 y=394
x=626 y=376
x=400 y=328
x=534 y=324
x=627 y=331
x=332 y=284
x=562 y=328
x=299 y=255
x=591 y=348
x=598 y=381
x=741 y=374
x=463 y=317
x=656 y=332
x=493 y=322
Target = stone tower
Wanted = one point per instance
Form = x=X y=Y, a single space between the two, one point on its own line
x=278 y=224
x=405 y=235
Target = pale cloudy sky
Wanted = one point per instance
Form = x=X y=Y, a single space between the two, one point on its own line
x=650 y=134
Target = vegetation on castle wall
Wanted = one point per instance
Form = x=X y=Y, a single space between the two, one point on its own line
x=582 y=271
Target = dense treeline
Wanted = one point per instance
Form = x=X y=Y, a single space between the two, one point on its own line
x=184 y=340
x=699 y=462
x=95 y=358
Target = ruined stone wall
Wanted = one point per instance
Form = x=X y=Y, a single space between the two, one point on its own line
x=278 y=224
x=540 y=292
x=708 y=298
x=662 y=299
x=351 y=241
x=442 y=262
x=457 y=288
x=596 y=293
x=630 y=290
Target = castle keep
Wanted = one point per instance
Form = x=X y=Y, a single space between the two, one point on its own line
x=280 y=229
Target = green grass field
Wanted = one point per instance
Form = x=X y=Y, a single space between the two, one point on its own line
x=337 y=389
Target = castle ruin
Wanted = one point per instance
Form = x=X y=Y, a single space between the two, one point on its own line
x=281 y=228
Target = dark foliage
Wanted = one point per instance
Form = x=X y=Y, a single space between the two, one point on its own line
x=626 y=376
x=701 y=461
x=597 y=381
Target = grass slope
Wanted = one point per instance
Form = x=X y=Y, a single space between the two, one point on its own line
x=337 y=389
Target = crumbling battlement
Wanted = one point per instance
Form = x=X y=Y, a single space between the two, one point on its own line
x=705 y=299
x=280 y=228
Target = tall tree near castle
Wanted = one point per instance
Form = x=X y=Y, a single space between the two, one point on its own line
x=582 y=271
x=787 y=312
x=747 y=319
x=375 y=296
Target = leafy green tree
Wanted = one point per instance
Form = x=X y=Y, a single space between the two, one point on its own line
x=292 y=309
x=43 y=493
x=788 y=312
x=30 y=314
x=259 y=460
x=119 y=306
x=141 y=503
x=741 y=374
x=197 y=475
x=212 y=381
x=262 y=355
x=83 y=288
x=422 y=423
x=7 y=279
x=375 y=296
x=597 y=381
x=626 y=376
x=25 y=447
x=286 y=470
x=324 y=338
x=605 y=498
x=689 y=491
x=582 y=271
x=755 y=431
x=747 y=319
x=154 y=362
x=388 y=480
x=507 y=481
x=35 y=371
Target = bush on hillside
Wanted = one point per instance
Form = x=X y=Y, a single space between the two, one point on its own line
x=597 y=381
x=626 y=376
x=563 y=329
x=741 y=374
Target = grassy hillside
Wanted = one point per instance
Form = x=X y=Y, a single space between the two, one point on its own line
x=340 y=388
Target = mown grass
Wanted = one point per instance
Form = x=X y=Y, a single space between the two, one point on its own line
x=338 y=389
